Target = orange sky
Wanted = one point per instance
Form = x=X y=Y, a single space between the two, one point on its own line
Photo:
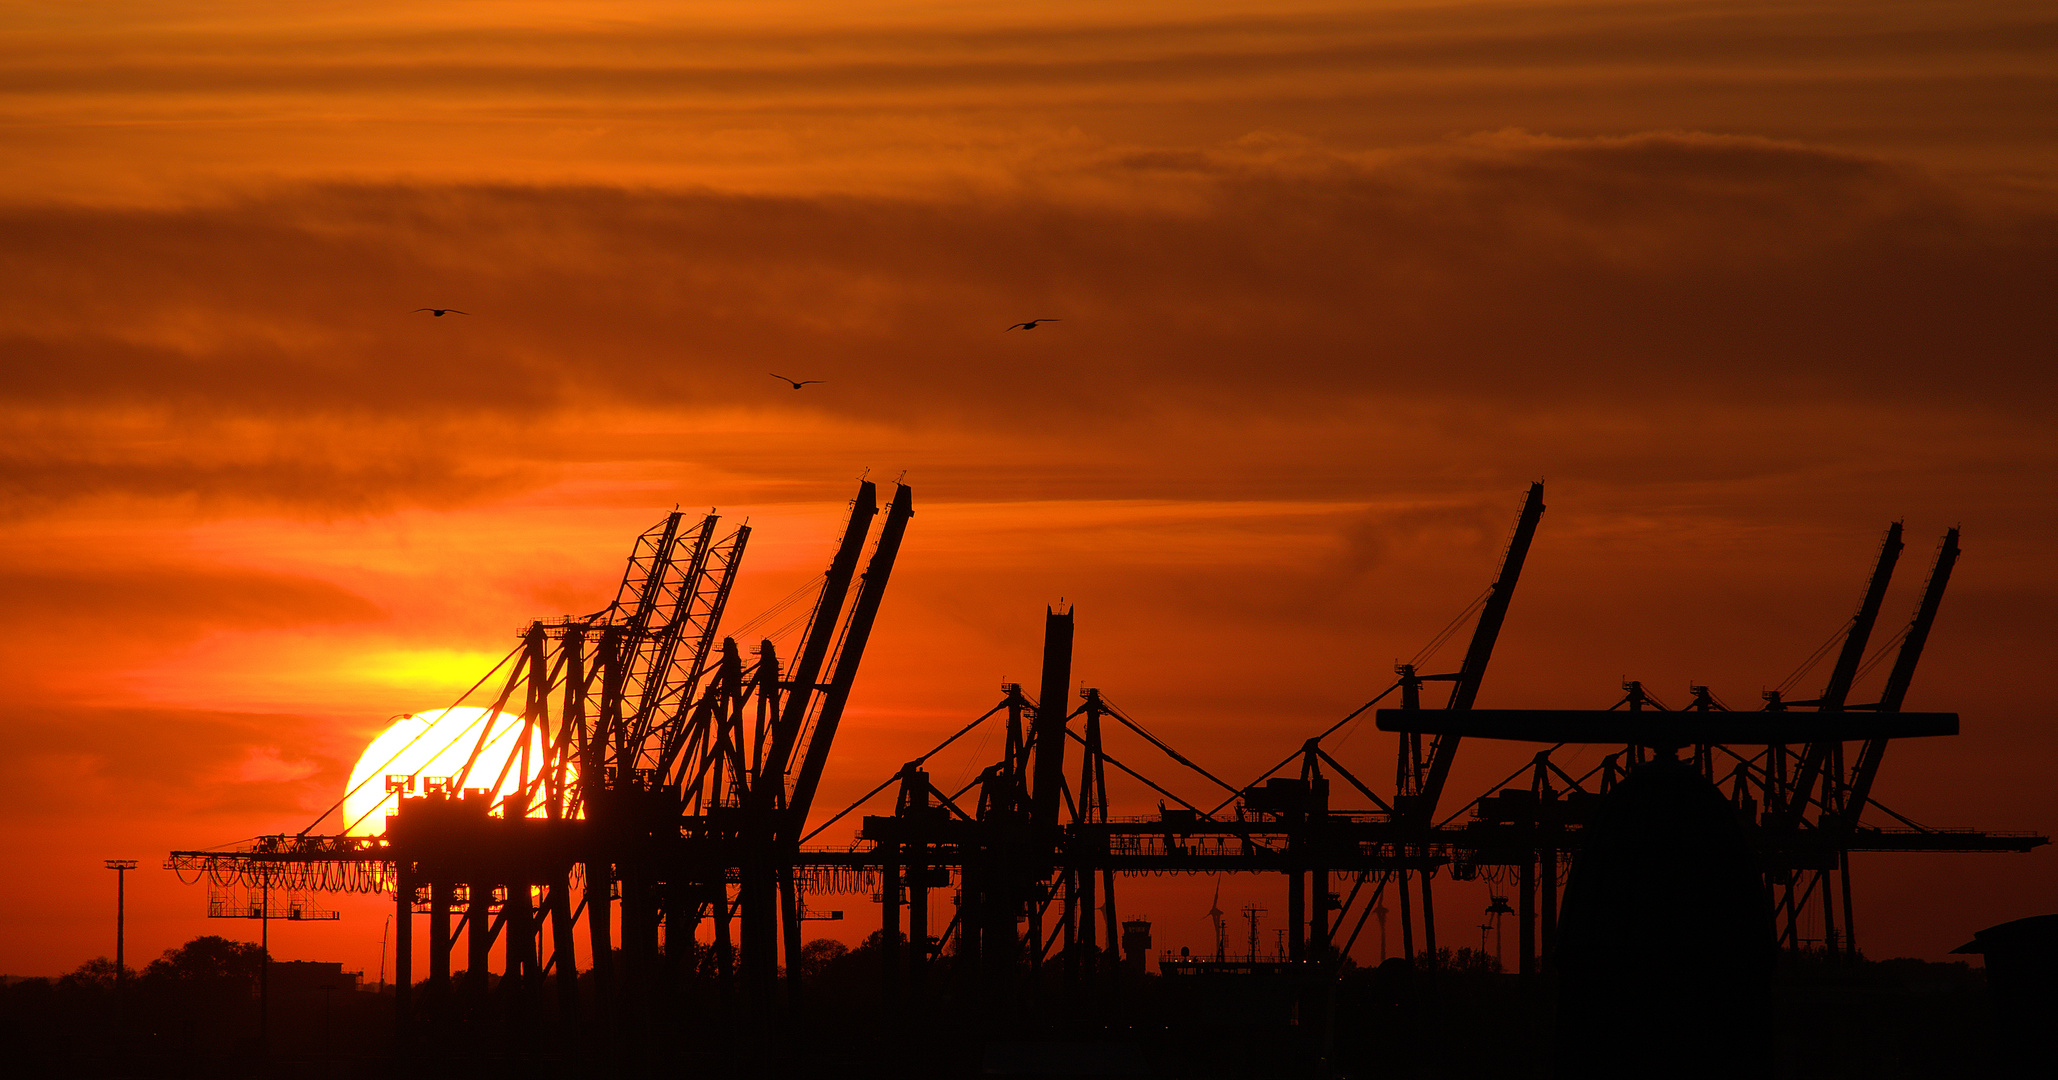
x=1742 y=282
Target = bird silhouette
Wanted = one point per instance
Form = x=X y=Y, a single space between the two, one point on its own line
x=1030 y=325
x=439 y=312
x=796 y=385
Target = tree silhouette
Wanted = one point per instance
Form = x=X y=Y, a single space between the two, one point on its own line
x=817 y=955
x=210 y=965
x=95 y=975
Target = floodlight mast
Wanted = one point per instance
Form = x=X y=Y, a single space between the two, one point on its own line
x=121 y=868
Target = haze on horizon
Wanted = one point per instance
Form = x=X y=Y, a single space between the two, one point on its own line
x=1743 y=282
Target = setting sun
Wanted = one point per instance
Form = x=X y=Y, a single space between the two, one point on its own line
x=435 y=745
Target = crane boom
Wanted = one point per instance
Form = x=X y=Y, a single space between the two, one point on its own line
x=1841 y=676
x=821 y=633
x=1048 y=727
x=1918 y=628
x=1484 y=634
x=704 y=597
x=859 y=630
x=1816 y=759
x=1903 y=673
x=638 y=601
x=678 y=594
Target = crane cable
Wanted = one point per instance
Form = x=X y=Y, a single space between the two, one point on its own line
x=1815 y=657
x=1451 y=628
x=511 y=654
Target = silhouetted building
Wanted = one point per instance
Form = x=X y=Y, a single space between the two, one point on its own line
x=1665 y=949
x=2022 y=974
x=1135 y=945
x=309 y=978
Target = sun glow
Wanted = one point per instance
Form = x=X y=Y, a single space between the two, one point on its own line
x=433 y=745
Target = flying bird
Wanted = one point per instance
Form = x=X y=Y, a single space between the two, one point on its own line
x=796 y=385
x=1030 y=325
x=439 y=312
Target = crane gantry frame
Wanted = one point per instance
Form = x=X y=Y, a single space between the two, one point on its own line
x=678 y=779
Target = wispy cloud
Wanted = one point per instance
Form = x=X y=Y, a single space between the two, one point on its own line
x=808 y=97
x=1506 y=266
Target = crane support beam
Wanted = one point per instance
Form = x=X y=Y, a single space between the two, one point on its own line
x=1665 y=729
x=1902 y=675
x=820 y=635
x=653 y=706
x=1918 y=629
x=1847 y=661
x=856 y=633
x=1048 y=728
x=1817 y=757
x=1481 y=650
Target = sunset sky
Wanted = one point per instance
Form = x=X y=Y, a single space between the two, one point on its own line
x=1741 y=282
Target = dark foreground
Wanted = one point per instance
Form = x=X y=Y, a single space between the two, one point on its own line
x=1886 y=1019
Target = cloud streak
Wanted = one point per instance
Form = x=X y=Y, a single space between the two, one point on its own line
x=1508 y=266
x=811 y=101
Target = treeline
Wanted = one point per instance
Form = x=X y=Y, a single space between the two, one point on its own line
x=193 y=1011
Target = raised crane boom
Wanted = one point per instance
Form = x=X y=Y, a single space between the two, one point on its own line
x=821 y=632
x=1846 y=670
x=1897 y=682
x=1470 y=674
x=855 y=634
x=705 y=596
x=1049 y=724
x=1817 y=759
x=697 y=596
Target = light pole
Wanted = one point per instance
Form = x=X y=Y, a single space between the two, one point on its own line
x=121 y=868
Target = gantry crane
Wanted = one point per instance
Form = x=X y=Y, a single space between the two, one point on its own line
x=657 y=805
x=678 y=776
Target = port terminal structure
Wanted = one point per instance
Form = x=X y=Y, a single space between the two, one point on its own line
x=674 y=803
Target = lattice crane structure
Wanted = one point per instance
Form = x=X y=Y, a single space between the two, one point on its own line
x=673 y=780
x=678 y=774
